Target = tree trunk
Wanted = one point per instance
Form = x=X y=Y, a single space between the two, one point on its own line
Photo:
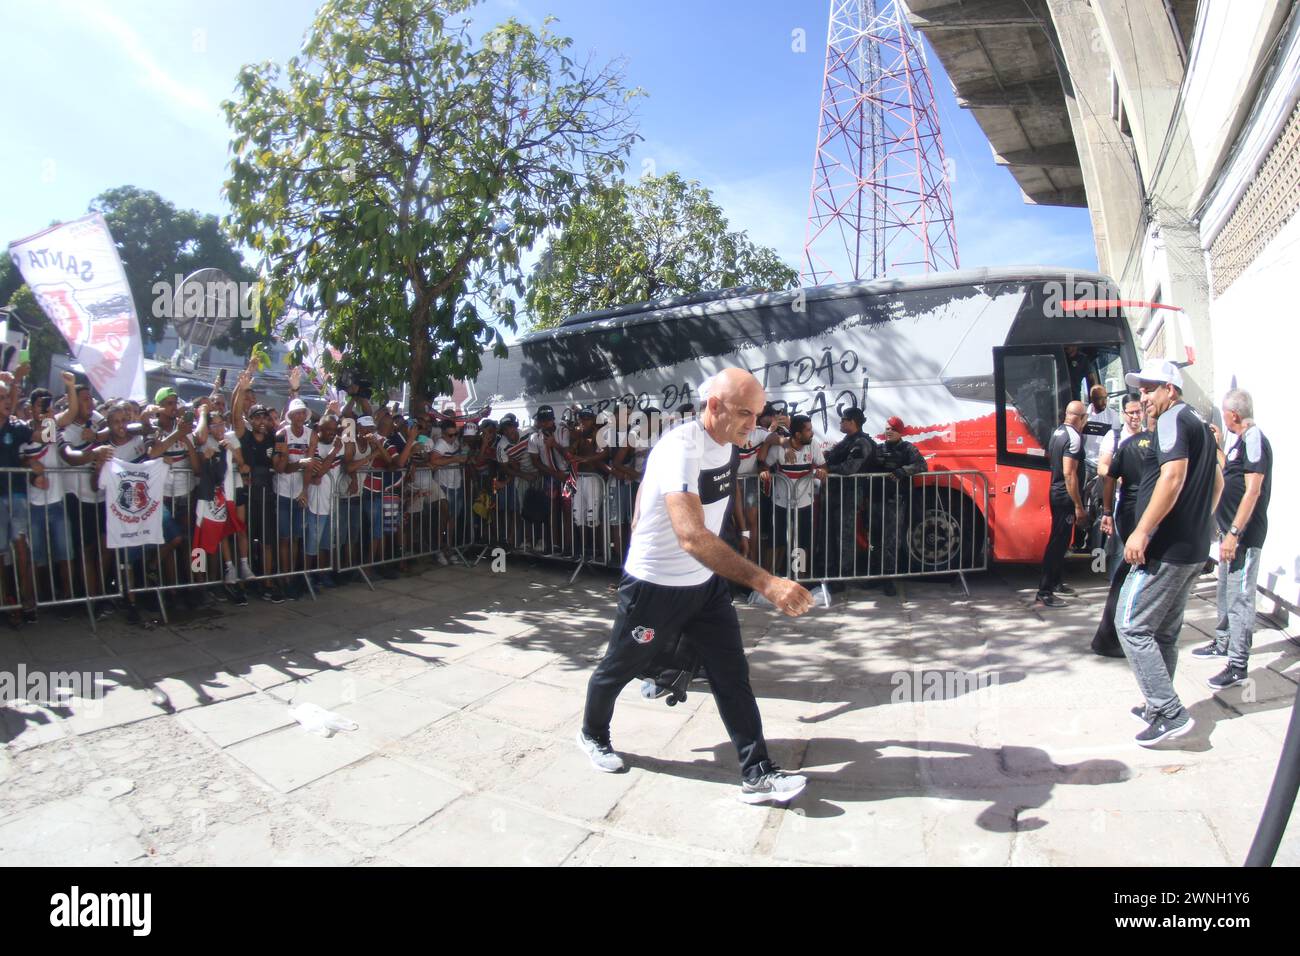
x=419 y=344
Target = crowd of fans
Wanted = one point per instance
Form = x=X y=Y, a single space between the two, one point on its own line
x=250 y=491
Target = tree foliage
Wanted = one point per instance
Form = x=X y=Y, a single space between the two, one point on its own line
x=44 y=340
x=392 y=174
x=659 y=237
x=157 y=242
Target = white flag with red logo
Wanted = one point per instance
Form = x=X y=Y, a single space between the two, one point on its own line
x=133 y=497
x=76 y=275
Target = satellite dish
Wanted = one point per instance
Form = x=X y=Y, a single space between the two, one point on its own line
x=207 y=301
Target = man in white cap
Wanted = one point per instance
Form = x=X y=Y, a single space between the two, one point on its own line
x=1167 y=549
x=291 y=459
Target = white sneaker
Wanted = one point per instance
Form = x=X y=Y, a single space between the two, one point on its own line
x=775 y=786
x=440 y=558
x=601 y=754
x=246 y=571
x=230 y=577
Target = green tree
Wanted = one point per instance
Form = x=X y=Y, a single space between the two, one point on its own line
x=659 y=237
x=157 y=242
x=10 y=278
x=393 y=172
x=44 y=340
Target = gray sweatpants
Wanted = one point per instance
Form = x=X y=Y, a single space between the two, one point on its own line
x=1236 y=627
x=1148 y=620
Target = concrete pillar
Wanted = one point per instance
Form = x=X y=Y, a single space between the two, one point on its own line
x=1147 y=62
x=1109 y=175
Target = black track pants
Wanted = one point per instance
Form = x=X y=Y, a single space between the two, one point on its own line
x=650 y=620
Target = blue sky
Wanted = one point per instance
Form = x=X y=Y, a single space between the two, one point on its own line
x=126 y=92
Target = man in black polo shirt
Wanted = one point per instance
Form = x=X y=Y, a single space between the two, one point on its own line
x=1242 y=517
x=1167 y=548
x=1065 y=451
x=1123 y=469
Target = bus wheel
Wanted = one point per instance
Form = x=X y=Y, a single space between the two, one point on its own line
x=945 y=536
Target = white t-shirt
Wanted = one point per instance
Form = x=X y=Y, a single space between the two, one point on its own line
x=687 y=460
x=1092 y=443
x=46 y=454
x=81 y=481
x=321 y=496
x=362 y=479
x=133 y=449
x=180 y=476
x=554 y=457
x=641 y=447
x=421 y=471
x=1110 y=443
x=797 y=465
x=289 y=485
x=749 y=454
x=449 y=476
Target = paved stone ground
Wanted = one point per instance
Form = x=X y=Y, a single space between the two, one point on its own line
x=467 y=686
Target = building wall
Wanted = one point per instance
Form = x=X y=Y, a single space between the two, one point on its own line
x=1254 y=328
x=1219 y=173
x=1232 y=41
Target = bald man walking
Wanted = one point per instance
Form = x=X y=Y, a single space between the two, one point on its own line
x=1065 y=451
x=675 y=584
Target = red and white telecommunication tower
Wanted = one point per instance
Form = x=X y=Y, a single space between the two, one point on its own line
x=881 y=203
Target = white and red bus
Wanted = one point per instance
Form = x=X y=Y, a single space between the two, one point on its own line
x=974 y=362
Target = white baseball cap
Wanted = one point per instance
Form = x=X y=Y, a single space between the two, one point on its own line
x=297 y=405
x=365 y=421
x=1156 y=370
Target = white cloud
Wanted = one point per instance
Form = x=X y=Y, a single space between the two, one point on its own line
x=191 y=104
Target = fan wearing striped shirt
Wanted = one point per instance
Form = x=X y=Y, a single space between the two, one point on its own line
x=769 y=432
x=516 y=474
x=800 y=464
x=47 y=527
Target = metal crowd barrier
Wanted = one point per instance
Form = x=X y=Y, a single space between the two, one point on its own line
x=847 y=528
x=281 y=541
x=394 y=515
x=852 y=528
x=876 y=526
x=588 y=526
x=33 y=536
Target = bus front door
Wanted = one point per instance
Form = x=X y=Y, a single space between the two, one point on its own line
x=1032 y=388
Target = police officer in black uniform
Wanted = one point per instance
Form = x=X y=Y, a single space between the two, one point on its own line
x=854 y=454
x=900 y=460
x=1065 y=451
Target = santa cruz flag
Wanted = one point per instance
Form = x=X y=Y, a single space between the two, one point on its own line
x=76 y=275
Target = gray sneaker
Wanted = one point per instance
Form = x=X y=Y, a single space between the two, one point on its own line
x=775 y=786
x=1141 y=714
x=1163 y=728
x=600 y=753
x=1228 y=677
